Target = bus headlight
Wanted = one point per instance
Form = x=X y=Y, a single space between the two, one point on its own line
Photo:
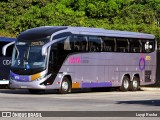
x=44 y=76
x=40 y=78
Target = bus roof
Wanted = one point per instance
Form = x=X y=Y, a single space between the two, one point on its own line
x=110 y=33
x=40 y=32
x=47 y=31
x=6 y=39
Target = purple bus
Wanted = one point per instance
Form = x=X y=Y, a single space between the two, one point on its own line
x=66 y=58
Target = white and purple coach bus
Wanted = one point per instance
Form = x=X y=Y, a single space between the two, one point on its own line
x=65 y=58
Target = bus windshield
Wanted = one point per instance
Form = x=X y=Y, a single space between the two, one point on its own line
x=27 y=55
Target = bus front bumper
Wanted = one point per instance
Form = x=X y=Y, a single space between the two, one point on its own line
x=26 y=85
x=35 y=84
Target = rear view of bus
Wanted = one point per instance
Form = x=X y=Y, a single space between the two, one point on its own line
x=66 y=58
x=5 y=61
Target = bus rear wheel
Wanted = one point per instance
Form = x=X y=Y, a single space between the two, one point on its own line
x=125 y=84
x=65 y=86
x=134 y=86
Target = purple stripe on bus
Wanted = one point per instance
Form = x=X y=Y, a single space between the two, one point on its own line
x=98 y=84
x=19 y=77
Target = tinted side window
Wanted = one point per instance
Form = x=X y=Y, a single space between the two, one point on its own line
x=108 y=44
x=61 y=35
x=80 y=43
x=135 y=46
x=95 y=44
x=122 y=45
x=65 y=44
x=68 y=44
x=60 y=50
x=148 y=46
x=9 y=49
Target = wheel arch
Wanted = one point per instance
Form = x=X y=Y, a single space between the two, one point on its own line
x=123 y=86
x=67 y=86
x=69 y=77
x=127 y=74
x=136 y=75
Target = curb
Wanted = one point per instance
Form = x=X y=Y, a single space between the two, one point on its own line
x=150 y=88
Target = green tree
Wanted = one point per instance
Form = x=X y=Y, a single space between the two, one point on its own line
x=131 y=15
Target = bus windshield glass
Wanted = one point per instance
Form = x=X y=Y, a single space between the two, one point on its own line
x=28 y=55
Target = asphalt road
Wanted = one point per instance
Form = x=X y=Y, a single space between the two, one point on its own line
x=21 y=100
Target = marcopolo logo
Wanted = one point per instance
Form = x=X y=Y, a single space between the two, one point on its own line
x=6 y=62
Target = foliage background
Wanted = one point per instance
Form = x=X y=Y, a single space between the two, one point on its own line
x=128 y=15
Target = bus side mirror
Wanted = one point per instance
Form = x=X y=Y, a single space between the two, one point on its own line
x=5 y=47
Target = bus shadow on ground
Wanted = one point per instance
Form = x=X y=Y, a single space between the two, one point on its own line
x=142 y=102
x=75 y=91
x=12 y=91
x=92 y=90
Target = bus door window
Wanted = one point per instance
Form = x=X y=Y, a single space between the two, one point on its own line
x=60 y=50
x=135 y=46
x=95 y=44
x=122 y=45
x=108 y=44
x=51 y=58
x=53 y=54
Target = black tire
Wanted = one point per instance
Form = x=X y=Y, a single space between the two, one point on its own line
x=125 y=84
x=7 y=86
x=65 y=86
x=34 y=91
x=135 y=84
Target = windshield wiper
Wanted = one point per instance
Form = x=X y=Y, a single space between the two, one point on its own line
x=26 y=54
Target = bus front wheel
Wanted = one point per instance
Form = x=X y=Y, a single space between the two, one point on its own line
x=134 y=86
x=65 y=86
x=125 y=84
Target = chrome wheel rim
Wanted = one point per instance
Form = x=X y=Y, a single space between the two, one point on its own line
x=135 y=84
x=126 y=84
x=65 y=86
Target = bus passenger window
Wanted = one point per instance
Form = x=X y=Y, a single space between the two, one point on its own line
x=122 y=45
x=95 y=44
x=135 y=46
x=93 y=47
x=148 y=46
x=108 y=44
x=77 y=45
x=64 y=45
x=80 y=43
x=67 y=44
x=84 y=46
